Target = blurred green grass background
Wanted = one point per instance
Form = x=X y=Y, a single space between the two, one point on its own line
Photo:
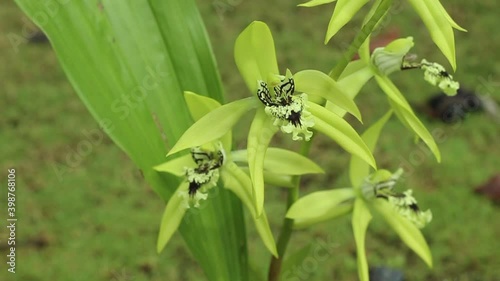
x=98 y=220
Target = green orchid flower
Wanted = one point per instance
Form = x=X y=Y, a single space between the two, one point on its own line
x=399 y=210
x=281 y=102
x=373 y=191
x=343 y=13
x=394 y=57
x=201 y=170
x=440 y=25
x=357 y=74
x=384 y=61
x=381 y=185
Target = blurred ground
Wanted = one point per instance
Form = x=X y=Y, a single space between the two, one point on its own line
x=97 y=220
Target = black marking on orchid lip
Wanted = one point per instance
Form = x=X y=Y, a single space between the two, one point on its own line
x=444 y=74
x=193 y=188
x=206 y=161
x=414 y=207
x=195 y=185
x=294 y=118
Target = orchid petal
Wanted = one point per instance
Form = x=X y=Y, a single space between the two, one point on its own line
x=277 y=180
x=176 y=166
x=449 y=18
x=319 y=203
x=313 y=82
x=406 y=230
x=388 y=59
x=283 y=161
x=354 y=77
x=392 y=92
x=361 y=217
x=214 y=125
x=172 y=217
x=261 y=132
x=320 y=206
x=341 y=132
x=333 y=213
x=255 y=55
x=439 y=27
x=238 y=181
x=406 y=115
x=200 y=106
x=343 y=13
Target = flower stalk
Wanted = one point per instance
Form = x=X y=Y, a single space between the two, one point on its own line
x=361 y=37
x=287 y=228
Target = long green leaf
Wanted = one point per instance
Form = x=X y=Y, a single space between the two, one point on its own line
x=129 y=62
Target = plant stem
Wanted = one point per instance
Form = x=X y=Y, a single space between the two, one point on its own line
x=362 y=35
x=287 y=228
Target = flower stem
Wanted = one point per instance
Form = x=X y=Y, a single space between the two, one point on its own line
x=362 y=35
x=287 y=228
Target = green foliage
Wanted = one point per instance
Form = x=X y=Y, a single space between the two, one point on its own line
x=255 y=57
x=134 y=51
x=462 y=144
